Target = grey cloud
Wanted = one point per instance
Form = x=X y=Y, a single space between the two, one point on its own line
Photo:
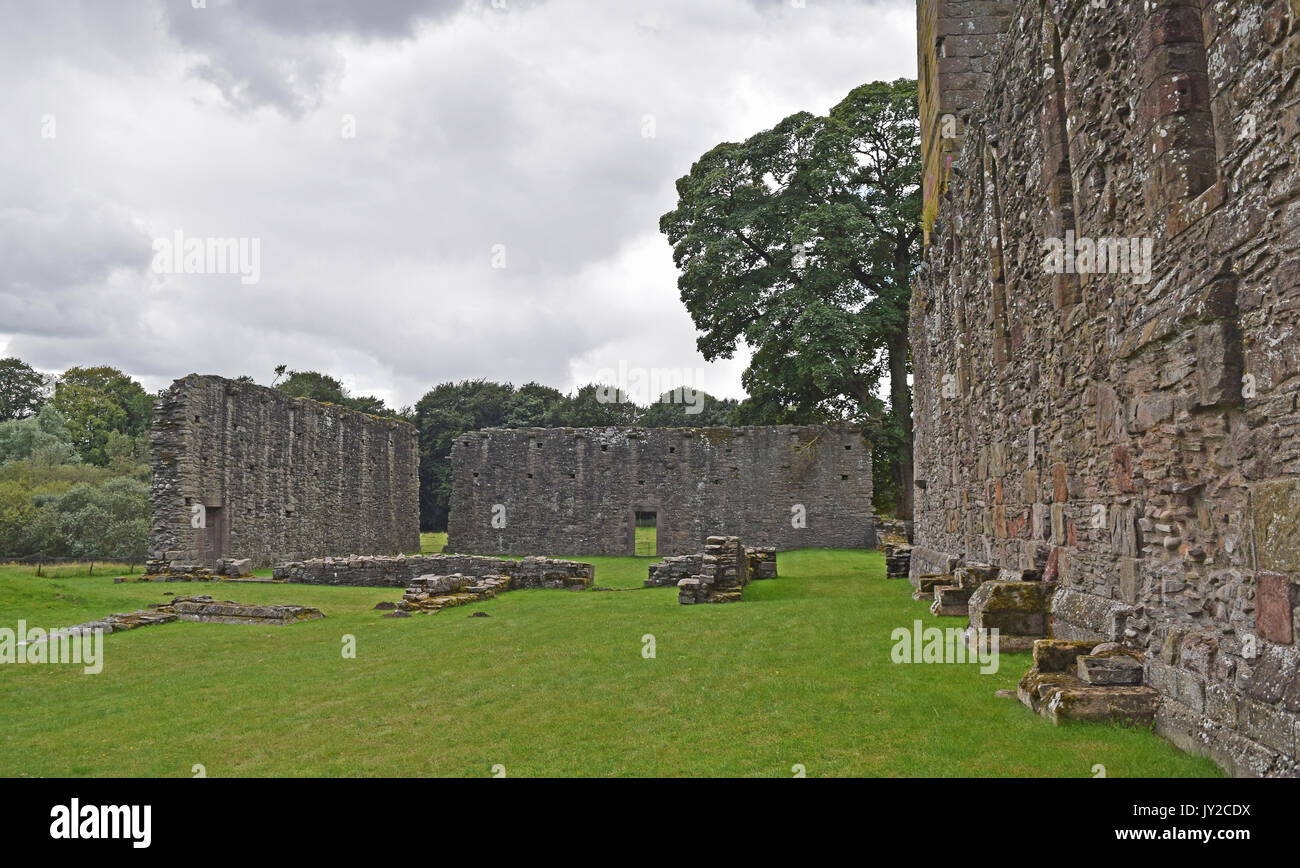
x=280 y=54
x=376 y=251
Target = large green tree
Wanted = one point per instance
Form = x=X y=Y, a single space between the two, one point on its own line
x=97 y=402
x=22 y=389
x=799 y=242
x=328 y=390
x=446 y=411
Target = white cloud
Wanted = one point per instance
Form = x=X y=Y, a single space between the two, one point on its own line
x=473 y=128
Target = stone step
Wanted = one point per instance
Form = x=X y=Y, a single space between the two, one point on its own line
x=1110 y=669
x=1059 y=655
x=1013 y=608
x=951 y=601
x=926 y=585
x=1035 y=687
x=1134 y=705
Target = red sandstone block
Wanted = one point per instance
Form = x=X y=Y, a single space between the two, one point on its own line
x=1060 y=489
x=1275 y=598
x=1169 y=25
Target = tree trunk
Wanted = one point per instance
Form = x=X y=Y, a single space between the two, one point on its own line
x=900 y=393
x=900 y=401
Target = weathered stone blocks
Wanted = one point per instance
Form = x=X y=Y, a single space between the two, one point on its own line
x=579 y=490
x=243 y=472
x=398 y=572
x=723 y=574
x=206 y=610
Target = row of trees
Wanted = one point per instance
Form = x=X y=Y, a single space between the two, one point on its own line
x=73 y=463
x=799 y=242
x=453 y=408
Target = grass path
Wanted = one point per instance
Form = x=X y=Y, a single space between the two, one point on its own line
x=553 y=683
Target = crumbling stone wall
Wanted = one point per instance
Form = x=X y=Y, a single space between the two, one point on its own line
x=577 y=490
x=400 y=572
x=1137 y=440
x=272 y=478
x=760 y=562
x=724 y=572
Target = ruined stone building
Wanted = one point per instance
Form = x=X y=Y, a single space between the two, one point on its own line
x=579 y=491
x=1105 y=337
x=243 y=471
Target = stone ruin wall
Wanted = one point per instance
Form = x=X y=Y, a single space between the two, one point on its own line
x=400 y=572
x=1140 y=443
x=577 y=490
x=280 y=478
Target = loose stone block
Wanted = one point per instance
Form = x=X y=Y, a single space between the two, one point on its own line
x=1013 y=608
x=1109 y=670
x=898 y=561
x=951 y=601
x=1132 y=705
x=1058 y=655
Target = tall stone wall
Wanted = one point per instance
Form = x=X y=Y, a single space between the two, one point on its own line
x=956 y=59
x=577 y=490
x=1134 y=435
x=274 y=478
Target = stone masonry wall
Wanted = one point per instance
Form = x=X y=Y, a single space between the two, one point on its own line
x=278 y=478
x=400 y=572
x=577 y=490
x=1138 y=440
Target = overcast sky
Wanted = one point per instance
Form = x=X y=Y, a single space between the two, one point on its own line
x=388 y=157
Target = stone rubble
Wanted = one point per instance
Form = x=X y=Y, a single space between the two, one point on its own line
x=398 y=572
x=724 y=572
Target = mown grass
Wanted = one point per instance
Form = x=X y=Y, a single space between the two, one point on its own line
x=553 y=683
x=647 y=541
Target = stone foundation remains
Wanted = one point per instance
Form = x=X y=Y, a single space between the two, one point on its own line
x=724 y=572
x=399 y=572
x=206 y=610
x=760 y=563
x=192 y=608
x=435 y=593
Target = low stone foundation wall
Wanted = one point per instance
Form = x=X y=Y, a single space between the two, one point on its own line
x=435 y=593
x=206 y=610
x=668 y=572
x=398 y=572
x=194 y=608
x=161 y=570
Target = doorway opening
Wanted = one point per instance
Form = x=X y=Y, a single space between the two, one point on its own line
x=216 y=536
x=647 y=534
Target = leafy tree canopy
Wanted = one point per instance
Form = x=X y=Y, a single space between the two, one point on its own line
x=22 y=389
x=798 y=242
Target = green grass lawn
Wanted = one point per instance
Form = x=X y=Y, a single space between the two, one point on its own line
x=647 y=541
x=432 y=543
x=553 y=683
